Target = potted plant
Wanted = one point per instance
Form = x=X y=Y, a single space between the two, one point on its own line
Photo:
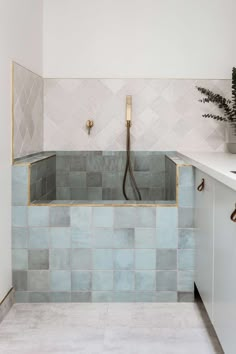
x=228 y=108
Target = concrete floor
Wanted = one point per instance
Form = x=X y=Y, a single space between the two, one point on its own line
x=179 y=328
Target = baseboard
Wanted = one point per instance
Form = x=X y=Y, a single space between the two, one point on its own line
x=6 y=303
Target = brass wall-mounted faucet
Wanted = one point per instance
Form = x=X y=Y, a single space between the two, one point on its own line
x=89 y=125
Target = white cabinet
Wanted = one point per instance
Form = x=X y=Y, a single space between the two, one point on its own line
x=204 y=210
x=216 y=256
x=224 y=310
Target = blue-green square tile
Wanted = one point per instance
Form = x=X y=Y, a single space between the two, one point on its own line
x=102 y=296
x=79 y=194
x=167 y=237
x=62 y=297
x=77 y=179
x=113 y=163
x=145 y=238
x=59 y=216
x=60 y=237
x=81 y=258
x=111 y=180
x=60 y=259
x=81 y=217
x=186 y=281
x=103 y=237
x=64 y=193
x=186 y=176
x=39 y=237
x=81 y=280
x=124 y=296
x=94 y=193
x=94 y=162
x=166 y=296
x=21 y=296
x=60 y=280
x=185 y=296
x=38 y=280
x=146 y=296
x=145 y=259
x=143 y=179
x=142 y=164
x=186 y=196
x=63 y=163
x=19 y=216
x=125 y=217
x=145 y=280
x=124 y=259
x=167 y=217
x=186 y=259
x=123 y=238
x=19 y=194
x=166 y=259
x=102 y=217
x=81 y=296
x=38 y=259
x=39 y=297
x=20 y=237
x=62 y=179
x=186 y=239
x=77 y=163
x=20 y=259
x=20 y=174
x=186 y=218
x=102 y=280
x=19 y=280
x=38 y=216
x=102 y=259
x=80 y=238
x=146 y=217
x=166 y=280
x=124 y=280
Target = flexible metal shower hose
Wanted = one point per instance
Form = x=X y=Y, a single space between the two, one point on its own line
x=128 y=167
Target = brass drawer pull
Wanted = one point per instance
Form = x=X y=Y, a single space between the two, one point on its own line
x=233 y=215
x=201 y=186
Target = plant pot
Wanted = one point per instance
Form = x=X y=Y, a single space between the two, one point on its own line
x=231 y=137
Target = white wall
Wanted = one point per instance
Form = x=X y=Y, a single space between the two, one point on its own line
x=138 y=38
x=20 y=40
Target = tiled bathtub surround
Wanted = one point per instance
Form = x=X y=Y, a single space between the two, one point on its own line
x=28 y=112
x=166 y=114
x=104 y=253
x=97 y=175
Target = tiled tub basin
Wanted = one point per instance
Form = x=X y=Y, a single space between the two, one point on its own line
x=102 y=253
x=96 y=175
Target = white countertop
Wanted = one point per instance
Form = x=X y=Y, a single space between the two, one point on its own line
x=216 y=164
